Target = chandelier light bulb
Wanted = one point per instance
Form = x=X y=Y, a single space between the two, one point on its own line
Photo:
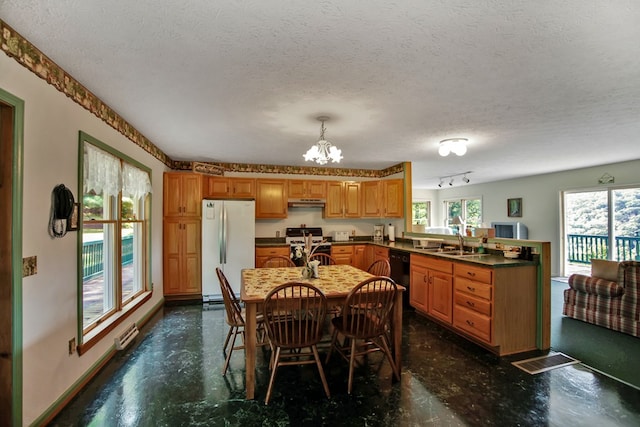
x=323 y=151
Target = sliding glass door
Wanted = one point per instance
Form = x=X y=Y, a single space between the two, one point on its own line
x=601 y=224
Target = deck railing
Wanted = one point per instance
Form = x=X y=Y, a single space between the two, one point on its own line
x=581 y=248
x=92 y=256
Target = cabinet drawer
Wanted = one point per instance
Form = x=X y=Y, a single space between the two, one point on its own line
x=281 y=250
x=476 y=304
x=335 y=249
x=474 y=323
x=480 y=290
x=474 y=273
x=439 y=265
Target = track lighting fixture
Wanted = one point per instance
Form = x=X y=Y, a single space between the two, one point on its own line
x=451 y=178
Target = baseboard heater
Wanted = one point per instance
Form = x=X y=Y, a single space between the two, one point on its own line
x=126 y=337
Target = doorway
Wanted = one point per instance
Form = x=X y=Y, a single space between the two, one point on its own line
x=11 y=132
x=602 y=223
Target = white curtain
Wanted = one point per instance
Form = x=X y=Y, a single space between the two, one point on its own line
x=104 y=174
x=135 y=182
x=101 y=171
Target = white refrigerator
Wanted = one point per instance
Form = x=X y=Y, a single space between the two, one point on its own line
x=228 y=242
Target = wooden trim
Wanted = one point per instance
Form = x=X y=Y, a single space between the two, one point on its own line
x=15 y=324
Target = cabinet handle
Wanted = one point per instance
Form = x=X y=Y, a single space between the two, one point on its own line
x=470 y=273
x=424 y=279
x=472 y=289
x=470 y=323
x=470 y=304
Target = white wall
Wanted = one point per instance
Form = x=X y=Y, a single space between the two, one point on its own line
x=49 y=309
x=541 y=199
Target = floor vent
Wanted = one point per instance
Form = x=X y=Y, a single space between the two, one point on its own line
x=126 y=337
x=545 y=363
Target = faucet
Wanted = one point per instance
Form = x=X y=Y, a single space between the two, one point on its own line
x=461 y=242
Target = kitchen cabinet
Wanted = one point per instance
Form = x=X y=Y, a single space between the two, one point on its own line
x=343 y=200
x=264 y=253
x=372 y=200
x=182 y=194
x=343 y=254
x=419 y=283
x=383 y=199
x=271 y=198
x=301 y=189
x=440 y=289
x=430 y=289
x=181 y=235
x=215 y=187
x=360 y=257
x=181 y=257
x=393 y=198
x=494 y=307
x=380 y=252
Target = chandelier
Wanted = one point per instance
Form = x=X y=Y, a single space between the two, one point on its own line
x=453 y=145
x=323 y=151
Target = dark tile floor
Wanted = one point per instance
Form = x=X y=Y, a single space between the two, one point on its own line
x=171 y=376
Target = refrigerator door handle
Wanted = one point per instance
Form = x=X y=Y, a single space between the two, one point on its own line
x=224 y=237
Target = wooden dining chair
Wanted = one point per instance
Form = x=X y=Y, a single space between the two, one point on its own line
x=294 y=317
x=278 y=261
x=380 y=267
x=325 y=259
x=235 y=320
x=363 y=322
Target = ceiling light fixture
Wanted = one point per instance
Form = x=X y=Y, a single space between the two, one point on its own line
x=457 y=146
x=323 y=151
x=451 y=178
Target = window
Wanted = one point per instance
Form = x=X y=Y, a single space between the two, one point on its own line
x=421 y=213
x=116 y=204
x=470 y=210
x=601 y=223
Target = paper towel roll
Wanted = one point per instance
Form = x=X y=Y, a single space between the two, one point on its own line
x=392 y=233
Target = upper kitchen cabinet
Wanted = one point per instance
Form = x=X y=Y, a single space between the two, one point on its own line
x=182 y=193
x=372 y=203
x=383 y=199
x=229 y=188
x=301 y=189
x=271 y=198
x=343 y=200
x=393 y=198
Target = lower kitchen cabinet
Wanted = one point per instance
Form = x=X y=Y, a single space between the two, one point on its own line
x=494 y=307
x=440 y=284
x=343 y=254
x=264 y=253
x=360 y=257
x=419 y=283
x=431 y=286
x=182 y=274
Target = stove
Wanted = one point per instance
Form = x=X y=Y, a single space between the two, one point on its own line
x=294 y=236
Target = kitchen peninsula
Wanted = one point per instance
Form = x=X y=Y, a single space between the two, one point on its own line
x=497 y=302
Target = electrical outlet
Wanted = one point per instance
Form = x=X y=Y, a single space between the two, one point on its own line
x=72 y=345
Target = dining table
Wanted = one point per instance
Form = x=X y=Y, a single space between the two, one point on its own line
x=335 y=281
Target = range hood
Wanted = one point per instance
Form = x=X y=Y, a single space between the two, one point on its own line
x=307 y=203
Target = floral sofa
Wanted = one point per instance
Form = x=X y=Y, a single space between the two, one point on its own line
x=608 y=298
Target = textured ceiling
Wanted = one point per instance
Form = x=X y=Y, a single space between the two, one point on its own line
x=536 y=86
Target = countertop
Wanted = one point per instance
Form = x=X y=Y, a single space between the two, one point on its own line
x=490 y=259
